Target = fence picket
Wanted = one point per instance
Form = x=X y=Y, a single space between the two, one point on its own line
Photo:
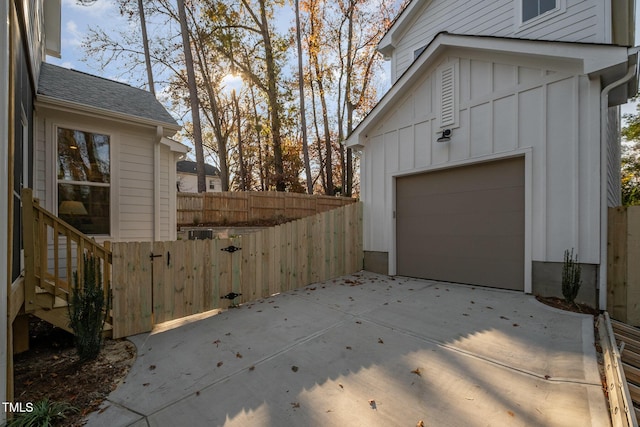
x=192 y=275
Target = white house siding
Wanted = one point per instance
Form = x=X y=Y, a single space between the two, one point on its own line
x=188 y=183
x=132 y=174
x=135 y=187
x=505 y=109
x=165 y=193
x=579 y=22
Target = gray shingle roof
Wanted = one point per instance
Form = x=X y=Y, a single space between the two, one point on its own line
x=81 y=88
x=187 y=166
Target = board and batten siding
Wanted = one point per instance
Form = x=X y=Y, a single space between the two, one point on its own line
x=580 y=21
x=505 y=109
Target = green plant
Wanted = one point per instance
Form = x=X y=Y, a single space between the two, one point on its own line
x=570 y=276
x=88 y=310
x=44 y=414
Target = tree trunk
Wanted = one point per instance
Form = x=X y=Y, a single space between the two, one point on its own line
x=303 y=113
x=272 y=97
x=145 y=42
x=243 y=171
x=193 y=97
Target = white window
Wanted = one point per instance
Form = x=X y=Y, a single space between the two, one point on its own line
x=530 y=12
x=212 y=184
x=84 y=180
x=534 y=8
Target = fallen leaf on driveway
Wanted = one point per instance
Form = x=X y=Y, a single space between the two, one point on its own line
x=219 y=364
x=295 y=404
x=420 y=424
x=380 y=341
x=417 y=372
x=294 y=368
x=372 y=403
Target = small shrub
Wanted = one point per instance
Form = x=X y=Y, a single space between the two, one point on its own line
x=88 y=310
x=196 y=220
x=570 y=276
x=44 y=414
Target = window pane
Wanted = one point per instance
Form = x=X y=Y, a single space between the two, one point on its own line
x=533 y=8
x=85 y=207
x=547 y=5
x=529 y=9
x=83 y=156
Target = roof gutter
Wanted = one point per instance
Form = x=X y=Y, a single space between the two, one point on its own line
x=604 y=220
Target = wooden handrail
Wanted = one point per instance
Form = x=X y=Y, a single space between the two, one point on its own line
x=42 y=232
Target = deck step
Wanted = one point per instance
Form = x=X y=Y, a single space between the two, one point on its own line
x=55 y=311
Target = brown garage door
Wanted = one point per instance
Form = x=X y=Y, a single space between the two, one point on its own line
x=463 y=224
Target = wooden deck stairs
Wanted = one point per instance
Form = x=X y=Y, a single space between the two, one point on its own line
x=52 y=250
x=628 y=340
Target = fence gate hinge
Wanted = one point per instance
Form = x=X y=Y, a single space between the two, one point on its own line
x=231 y=249
x=152 y=256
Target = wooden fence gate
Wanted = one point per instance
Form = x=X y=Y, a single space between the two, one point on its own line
x=161 y=281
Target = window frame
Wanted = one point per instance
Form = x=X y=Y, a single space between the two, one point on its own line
x=56 y=192
x=561 y=7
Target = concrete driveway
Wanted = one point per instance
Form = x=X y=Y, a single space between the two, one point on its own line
x=368 y=350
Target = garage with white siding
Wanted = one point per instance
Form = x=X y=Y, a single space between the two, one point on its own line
x=513 y=183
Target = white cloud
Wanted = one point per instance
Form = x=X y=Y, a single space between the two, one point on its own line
x=71 y=35
x=98 y=9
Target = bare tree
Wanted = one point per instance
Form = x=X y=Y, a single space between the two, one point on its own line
x=193 y=96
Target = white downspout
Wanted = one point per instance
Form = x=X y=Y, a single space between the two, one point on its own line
x=604 y=221
x=156 y=183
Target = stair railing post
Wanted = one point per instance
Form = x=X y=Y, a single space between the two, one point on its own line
x=28 y=225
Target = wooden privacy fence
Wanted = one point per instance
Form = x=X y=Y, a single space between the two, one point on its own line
x=161 y=281
x=248 y=206
x=623 y=264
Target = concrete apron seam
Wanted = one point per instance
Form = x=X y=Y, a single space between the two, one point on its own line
x=257 y=363
x=119 y=405
x=490 y=360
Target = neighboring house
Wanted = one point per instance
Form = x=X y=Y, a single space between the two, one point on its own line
x=187 y=181
x=497 y=147
x=96 y=152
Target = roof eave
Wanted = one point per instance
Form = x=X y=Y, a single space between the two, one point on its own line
x=387 y=44
x=174 y=145
x=76 y=107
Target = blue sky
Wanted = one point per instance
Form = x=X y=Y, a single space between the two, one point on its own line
x=77 y=19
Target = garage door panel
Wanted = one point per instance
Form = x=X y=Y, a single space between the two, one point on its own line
x=496 y=200
x=463 y=224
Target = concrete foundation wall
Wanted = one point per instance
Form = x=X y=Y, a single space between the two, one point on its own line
x=547 y=281
x=376 y=262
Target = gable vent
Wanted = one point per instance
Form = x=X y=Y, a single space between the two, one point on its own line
x=448 y=110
